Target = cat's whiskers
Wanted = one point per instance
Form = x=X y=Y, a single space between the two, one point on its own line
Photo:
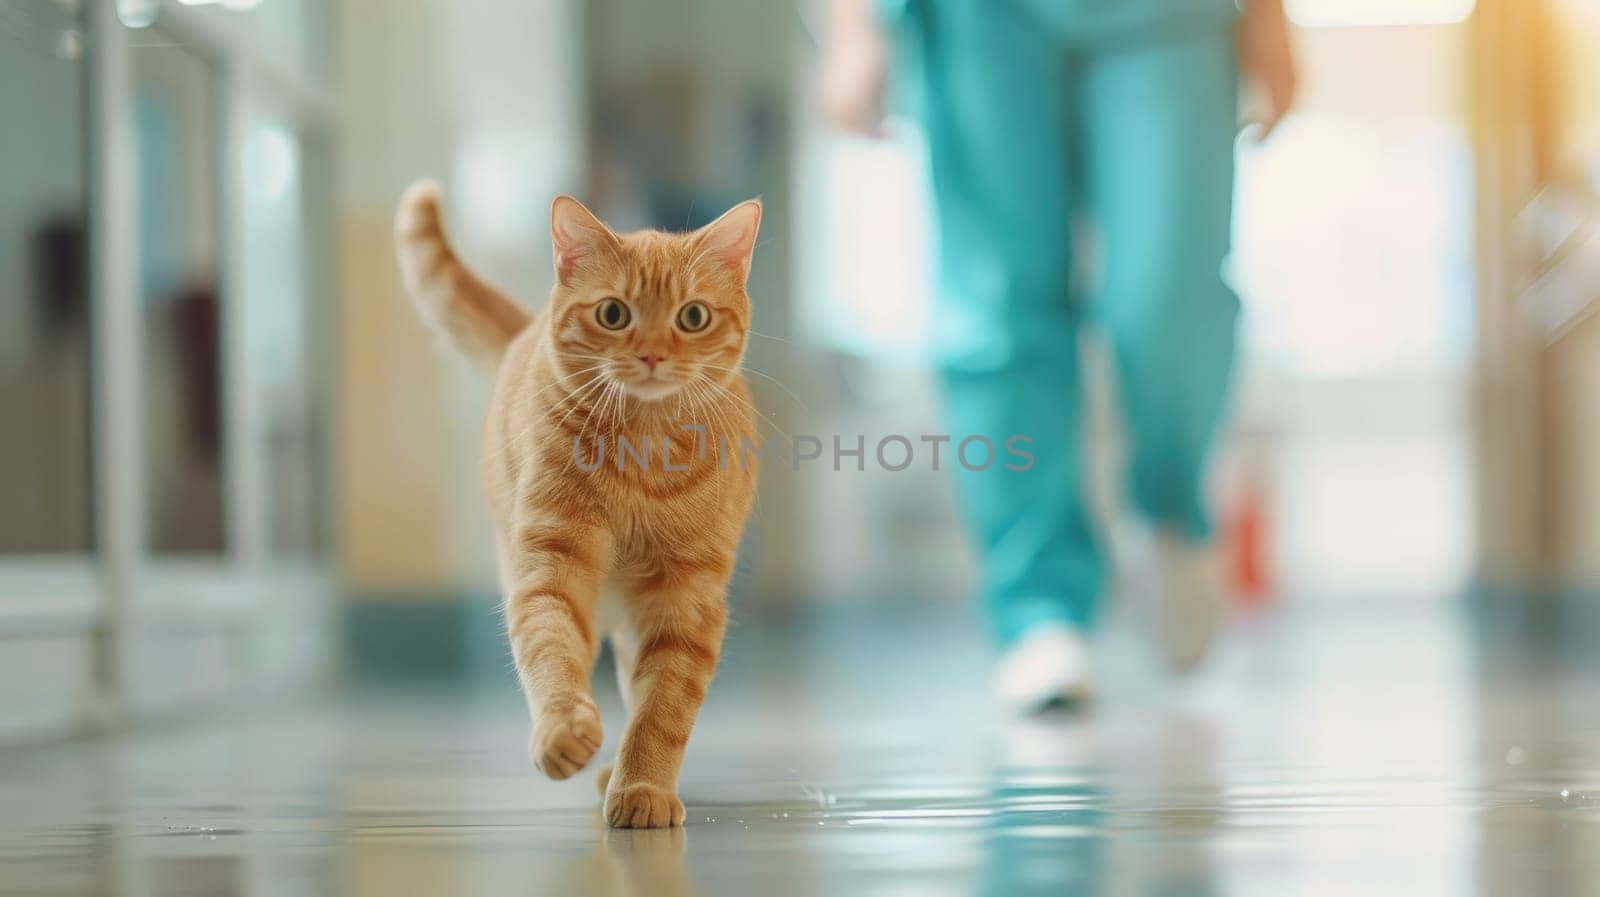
x=562 y=381
x=731 y=434
x=589 y=392
x=706 y=404
x=714 y=423
x=559 y=381
x=748 y=404
x=737 y=451
x=577 y=441
x=536 y=419
x=746 y=369
x=613 y=411
x=558 y=378
x=776 y=339
x=594 y=408
x=702 y=413
x=616 y=411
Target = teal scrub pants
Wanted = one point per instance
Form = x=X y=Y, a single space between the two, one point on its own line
x=1035 y=124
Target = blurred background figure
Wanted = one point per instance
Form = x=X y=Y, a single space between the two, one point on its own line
x=241 y=538
x=1035 y=113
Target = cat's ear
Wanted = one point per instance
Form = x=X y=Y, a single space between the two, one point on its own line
x=575 y=235
x=731 y=239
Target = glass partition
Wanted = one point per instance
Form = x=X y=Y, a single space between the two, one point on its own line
x=281 y=275
x=45 y=487
x=175 y=138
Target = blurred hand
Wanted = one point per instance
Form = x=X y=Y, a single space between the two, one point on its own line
x=853 y=80
x=1266 y=56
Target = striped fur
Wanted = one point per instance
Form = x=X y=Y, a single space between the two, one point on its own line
x=479 y=319
x=659 y=543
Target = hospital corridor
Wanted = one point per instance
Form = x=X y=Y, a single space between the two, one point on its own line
x=1177 y=425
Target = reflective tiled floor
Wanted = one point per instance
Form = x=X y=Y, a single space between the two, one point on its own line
x=1359 y=750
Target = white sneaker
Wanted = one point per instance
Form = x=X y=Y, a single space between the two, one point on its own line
x=1049 y=665
x=1183 y=580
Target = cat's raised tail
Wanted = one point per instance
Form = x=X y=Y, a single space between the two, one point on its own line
x=478 y=319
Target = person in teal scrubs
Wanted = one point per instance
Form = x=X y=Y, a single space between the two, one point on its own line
x=1042 y=115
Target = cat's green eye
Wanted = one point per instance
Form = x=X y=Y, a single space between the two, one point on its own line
x=694 y=317
x=613 y=314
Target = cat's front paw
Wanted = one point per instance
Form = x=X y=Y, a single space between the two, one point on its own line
x=564 y=741
x=642 y=805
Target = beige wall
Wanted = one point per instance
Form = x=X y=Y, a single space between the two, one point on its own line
x=483 y=95
x=1570 y=371
x=405 y=464
x=1572 y=459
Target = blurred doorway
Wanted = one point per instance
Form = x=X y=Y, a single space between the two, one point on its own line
x=1354 y=255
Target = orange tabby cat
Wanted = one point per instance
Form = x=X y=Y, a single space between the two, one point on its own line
x=644 y=334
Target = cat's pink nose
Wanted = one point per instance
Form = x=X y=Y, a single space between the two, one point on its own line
x=650 y=361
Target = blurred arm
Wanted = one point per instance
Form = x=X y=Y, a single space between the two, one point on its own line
x=1267 y=57
x=855 y=66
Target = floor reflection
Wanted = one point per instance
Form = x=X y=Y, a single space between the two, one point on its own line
x=1383 y=753
x=1047 y=829
x=629 y=863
